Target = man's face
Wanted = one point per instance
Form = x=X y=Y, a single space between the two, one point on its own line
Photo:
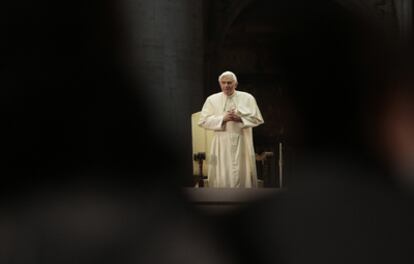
x=228 y=85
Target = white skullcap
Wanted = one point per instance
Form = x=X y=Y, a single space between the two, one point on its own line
x=228 y=73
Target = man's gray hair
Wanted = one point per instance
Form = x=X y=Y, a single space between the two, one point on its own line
x=228 y=73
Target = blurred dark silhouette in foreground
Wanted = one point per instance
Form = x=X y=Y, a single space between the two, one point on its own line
x=84 y=180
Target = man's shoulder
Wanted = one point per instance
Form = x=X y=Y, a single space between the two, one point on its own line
x=245 y=94
x=215 y=96
x=220 y=95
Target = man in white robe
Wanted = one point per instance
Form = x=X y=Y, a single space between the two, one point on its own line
x=232 y=115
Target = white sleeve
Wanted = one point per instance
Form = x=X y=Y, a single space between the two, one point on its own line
x=208 y=118
x=250 y=113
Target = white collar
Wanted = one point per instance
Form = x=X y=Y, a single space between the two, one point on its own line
x=230 y=96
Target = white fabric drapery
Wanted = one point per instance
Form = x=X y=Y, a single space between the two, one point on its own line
x=232 y=160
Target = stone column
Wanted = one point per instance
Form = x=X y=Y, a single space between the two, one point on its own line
x=165 y=56
x=404 y=13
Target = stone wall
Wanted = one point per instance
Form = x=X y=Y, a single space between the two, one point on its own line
x=166 y=58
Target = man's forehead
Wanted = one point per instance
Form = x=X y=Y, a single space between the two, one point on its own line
x=227 y=78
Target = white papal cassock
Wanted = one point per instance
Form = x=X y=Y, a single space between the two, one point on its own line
x=232 y=161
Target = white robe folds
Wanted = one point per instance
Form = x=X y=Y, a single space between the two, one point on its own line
x=232 y=161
